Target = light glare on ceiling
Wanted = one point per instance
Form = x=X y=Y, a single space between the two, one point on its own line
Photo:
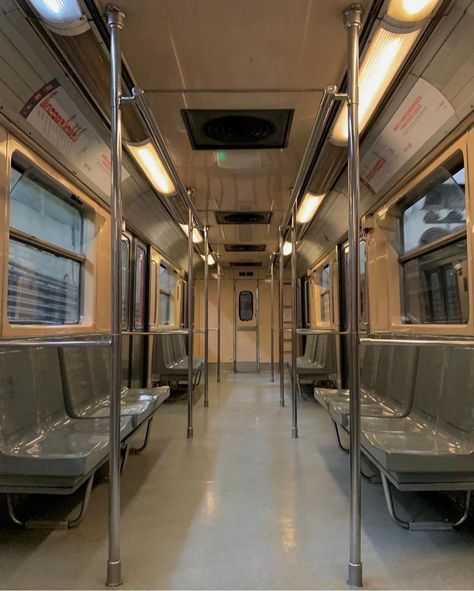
x=386 y=53
x=150 y=162
x=287 y=248
x=63 y=17
x=308 y=207
x=410 y=11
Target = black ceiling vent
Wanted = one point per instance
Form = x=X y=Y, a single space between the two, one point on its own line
x=237 y=129
x=244 y=247
x=245 y=264
x=243 y=217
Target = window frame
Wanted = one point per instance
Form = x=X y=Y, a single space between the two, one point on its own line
x=93 y=315
x=385 y=269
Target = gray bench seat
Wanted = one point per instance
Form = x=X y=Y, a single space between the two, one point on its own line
x=392 y=394
x=38 y=438
x=87 y=391
x=167 y=364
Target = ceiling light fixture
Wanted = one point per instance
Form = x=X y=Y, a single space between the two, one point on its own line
x=287 y=248
x=64 y=17
x=308 y=207
x=148 y=159
x=410 y=11
x=197 y=236
x=385 y=55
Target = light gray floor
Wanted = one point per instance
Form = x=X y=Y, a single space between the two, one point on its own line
x=240 y=506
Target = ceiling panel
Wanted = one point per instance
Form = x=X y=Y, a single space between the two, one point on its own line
x=222 y=54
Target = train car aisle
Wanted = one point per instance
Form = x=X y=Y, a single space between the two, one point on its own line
x=240 y=506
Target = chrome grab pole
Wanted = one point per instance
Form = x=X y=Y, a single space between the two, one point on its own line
x=218 y=323
x=294 y=296
x=272 y=322
x=281 y=361
x=206 y=316
x=352 y=21
x=190 y=323
x=115 y=22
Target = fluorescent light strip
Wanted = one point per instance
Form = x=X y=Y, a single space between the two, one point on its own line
x=150 y=162
x=308 y=207
x=287 y=248
x=386 y=53
x=64 y=17
x=411 y=11
x=197 y=236
x=210 y=259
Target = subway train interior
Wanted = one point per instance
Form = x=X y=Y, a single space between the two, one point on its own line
x=237 y=294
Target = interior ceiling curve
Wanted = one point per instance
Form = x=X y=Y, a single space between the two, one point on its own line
x=227 y=55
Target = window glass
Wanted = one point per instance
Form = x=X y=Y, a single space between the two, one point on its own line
x=434 y=248
x=42 y=288
x=41 y=208
x=325 y=294
x=362 y=278
x=436 y=286
x=245 y=306
x=140 y=277
x=125 y=282
x=167 y=294
x=45 y=262
x=435 y=209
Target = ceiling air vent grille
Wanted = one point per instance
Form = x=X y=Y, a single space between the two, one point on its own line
x=234 y=129
x=245 y=264
x=244 y=247
x=243 y=217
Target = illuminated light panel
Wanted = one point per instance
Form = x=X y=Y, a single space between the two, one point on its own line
x=309 y=206
x=287 y=248
x=410 y=11
x=197 y=236
x=64 y=17
x=150 y=162
x=385 y=55
x=210 y=259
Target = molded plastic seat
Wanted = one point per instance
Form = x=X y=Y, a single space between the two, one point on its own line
x=307 y=359
x=40 y=445
x=87 y=391
x=367 y=381
x=180 y=354
x=439 y=435
x=166 y=365
x=393 y=391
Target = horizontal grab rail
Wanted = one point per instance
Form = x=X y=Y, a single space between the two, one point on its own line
x=438 y=342
x=40 y=342
x=151 y=333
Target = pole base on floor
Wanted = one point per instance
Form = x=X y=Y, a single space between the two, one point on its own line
x=114 y=574
x=206 y=402
x=190 y=433
x=354 y=577
x=282 y=403
x=294 y=432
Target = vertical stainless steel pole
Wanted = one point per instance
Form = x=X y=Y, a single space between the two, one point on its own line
x=352 y=19
x=206 y=316
x=272 y=327
x=281 y=360
x=115 y=22
x=294 y=310
x=190 y=324
x=218 y=324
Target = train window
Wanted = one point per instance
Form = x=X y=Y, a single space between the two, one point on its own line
x=363 y=318
x=167 y=290
x=45 y=265
x=245 y=306
x=325 y=293
x=434 y=248
x=140 y=283
x=125 y=282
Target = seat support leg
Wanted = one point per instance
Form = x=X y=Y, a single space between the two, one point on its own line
x=338 y=437
x=49 y=523
x=125 y=451
x=137 y=450
x=423 y=525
